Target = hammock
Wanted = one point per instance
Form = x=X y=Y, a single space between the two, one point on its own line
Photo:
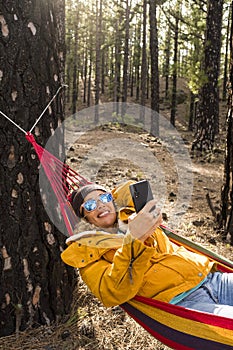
x=175 y=326
x=178 y=327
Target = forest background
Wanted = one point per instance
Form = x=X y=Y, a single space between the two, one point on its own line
x=173 y=57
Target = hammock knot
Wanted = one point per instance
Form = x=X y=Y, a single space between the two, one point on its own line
x=30 y=137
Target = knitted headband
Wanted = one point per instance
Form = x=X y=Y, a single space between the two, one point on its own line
x=78 y=196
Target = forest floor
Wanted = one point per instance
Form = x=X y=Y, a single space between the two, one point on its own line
x=91 y=326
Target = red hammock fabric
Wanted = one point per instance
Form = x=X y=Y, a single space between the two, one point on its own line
x=63 y=180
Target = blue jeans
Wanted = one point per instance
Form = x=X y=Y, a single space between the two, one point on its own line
x=214 y=296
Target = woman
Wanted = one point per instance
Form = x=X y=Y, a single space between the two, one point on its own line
x=129 y=254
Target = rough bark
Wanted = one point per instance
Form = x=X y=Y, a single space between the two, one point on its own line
x=154 y=68
x=36 y=287
x=126 y=58
x=90 y=68
x=174 y=73
x=144 y=64
x=167 y=54
x=75 y=70
x=85 y=77
x=225 y=77
x=226 y=214
x=208 y=106
x=98 y=57
x=117 y=78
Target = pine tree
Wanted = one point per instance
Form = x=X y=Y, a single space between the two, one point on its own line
x=208 y=105
x=36 y=287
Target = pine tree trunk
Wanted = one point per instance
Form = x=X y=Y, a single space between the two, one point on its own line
x=226 y=214
x=192 y=111
x=131 y=79
x=117 y=80
x=137 y=75
x=126 y=58
x=85 y=77
x=148 y=79
x=98 y=57
x=103 y=72
x=167 y=62
x=224 y=87
x=154 y=68
x=36 y=287
x=68 y=67
x=226 y=217
x=75 y=68
x=144 y=64
x=137 y=58
x=90 y=68
x=174 y=73
x=208 y=106
x=111 y=78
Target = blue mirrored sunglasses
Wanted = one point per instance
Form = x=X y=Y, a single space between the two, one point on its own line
x=91 y=204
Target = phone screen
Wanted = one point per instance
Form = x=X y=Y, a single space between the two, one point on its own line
x=141 y=193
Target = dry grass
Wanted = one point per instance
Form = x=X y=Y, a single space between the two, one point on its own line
x=90 y=326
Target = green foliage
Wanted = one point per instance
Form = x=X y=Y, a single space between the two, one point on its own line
x=81 y=16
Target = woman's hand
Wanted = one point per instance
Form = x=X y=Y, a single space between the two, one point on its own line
x=144 y=223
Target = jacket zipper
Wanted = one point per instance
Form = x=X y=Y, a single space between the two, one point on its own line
x=130 y=268
x=131 y=264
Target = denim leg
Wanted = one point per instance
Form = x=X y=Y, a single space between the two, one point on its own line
x=225 y=292
x=214 y=296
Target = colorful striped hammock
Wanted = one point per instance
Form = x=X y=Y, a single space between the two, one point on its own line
x=178 y=327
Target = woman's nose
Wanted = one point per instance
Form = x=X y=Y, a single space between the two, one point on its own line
x=100 y=203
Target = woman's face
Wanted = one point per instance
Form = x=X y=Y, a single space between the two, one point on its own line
x=104 y=215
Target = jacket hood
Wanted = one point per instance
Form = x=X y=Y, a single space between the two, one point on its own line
x=89 y=246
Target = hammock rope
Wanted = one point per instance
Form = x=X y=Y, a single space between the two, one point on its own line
x=63 y=179
x=175 y=326
x=40 y=116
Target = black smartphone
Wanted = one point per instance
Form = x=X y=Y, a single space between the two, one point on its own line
x=141 y=193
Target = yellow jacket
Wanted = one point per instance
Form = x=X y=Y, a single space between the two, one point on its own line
x=116 y=267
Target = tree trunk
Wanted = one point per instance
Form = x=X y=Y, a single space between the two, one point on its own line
x=111 y=77
x=85 y=77
x=131 y=78
x=68 y=66
x=36 y=287
x=98 y=57
x=104 y=68
x=208 y=106
x=148 y=79
x=192 y=110
x=174 y=73
x=90 y=68
x=144 y=64
x=226 y=215
x=117 y=80
x=154 y=69
x=126 y=58
x=75 y=70
x=103 y=63
x=167 y=62
x=224 y=87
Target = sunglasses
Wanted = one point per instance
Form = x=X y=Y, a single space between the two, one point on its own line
x=91 y=204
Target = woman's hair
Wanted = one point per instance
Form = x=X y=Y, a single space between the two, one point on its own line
x=77 y=197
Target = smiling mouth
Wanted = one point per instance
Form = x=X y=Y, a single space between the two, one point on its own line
x=103 y=214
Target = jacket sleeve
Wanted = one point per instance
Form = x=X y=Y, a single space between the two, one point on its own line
x=117 y=282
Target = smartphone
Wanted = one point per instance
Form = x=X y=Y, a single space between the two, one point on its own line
x=141 y=194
